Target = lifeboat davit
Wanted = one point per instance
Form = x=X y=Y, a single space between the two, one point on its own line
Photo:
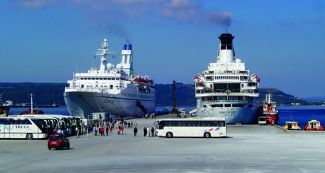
x=314 y=125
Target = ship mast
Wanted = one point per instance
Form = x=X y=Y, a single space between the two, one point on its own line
x=31 y=103
x=103 y=53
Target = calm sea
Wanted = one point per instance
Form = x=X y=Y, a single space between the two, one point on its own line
x=302 y=114
x=62 y=110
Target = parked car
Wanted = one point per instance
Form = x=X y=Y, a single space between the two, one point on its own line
x=58 y=141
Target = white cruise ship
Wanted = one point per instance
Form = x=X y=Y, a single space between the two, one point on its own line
x=226 y=88
x=110 y=89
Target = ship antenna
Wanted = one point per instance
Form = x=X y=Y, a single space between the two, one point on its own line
x=31 y=103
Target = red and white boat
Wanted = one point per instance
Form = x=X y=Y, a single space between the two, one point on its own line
x=314 y=125
x=31 y=110
x=270 y=111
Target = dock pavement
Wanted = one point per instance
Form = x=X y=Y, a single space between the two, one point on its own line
x=248 y=148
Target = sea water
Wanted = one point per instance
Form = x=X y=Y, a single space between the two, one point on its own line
x=301 y=114
x=62 y=110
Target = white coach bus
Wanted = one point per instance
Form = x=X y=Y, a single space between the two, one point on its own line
x=191 y=127
x=24 y=128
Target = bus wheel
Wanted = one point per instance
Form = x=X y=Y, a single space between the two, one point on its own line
x=169 y=135
x=29 y=136
x=207 y=135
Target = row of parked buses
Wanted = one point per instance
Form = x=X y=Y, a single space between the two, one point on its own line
x=35 y=126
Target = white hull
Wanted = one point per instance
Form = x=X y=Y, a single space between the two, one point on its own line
x=227 y=88
x=244 y=115
x=81 y=103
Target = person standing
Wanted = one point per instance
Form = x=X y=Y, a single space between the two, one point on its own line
x=145 y=131
x=106 y=128
x=122 y=128
x=148 y=130
x=152 y=132
x=110 y=128
x=135 y=131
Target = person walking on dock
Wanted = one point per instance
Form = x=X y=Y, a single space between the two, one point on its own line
x=135 y=131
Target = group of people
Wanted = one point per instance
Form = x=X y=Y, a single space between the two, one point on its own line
x=147 y=131
x=106 y=128
x=103 y=129
x=152 y=115
x=73 y=131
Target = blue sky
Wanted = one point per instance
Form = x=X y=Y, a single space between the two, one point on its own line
x=283 y=41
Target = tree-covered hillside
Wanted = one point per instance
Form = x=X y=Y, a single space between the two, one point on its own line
x=48 y=93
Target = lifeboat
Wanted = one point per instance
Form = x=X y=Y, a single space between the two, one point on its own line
x=291 y=125
x=31 y=110
x=143 y=79
x=314 y=125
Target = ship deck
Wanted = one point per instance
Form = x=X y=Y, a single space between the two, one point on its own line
x=248 y=148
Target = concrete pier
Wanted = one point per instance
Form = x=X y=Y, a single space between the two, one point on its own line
x=248 y=148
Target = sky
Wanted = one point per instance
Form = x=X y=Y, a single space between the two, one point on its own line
x=282 y=41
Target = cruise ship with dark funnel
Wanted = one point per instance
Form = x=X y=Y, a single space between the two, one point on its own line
x=227 y=88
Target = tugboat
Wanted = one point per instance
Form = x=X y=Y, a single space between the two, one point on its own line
x=270 y=111
x=314 y=125
x=291 y=125
x=31 y=110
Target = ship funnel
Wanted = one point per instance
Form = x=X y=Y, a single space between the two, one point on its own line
x=129 y=46
x=226 y=41
x=127 y=59
x=226 y=52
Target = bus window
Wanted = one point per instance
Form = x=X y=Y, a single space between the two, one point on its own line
x=25 y=121
x=161 y=125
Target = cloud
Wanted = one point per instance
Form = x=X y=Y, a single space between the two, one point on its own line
x=189 y=11
x=32 y=4
x=103 y=14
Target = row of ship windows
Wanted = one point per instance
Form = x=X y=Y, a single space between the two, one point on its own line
x=101 y=86
x=227 y=77
x=225 y=105
x=97 y=78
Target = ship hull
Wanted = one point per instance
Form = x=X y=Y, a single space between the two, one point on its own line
x=244 y=115
x=80 y=103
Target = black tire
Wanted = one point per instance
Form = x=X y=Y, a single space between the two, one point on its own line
x=29 y=136
x=169 y=134
x=68 y=146
x=207 y=135
x=49 y=148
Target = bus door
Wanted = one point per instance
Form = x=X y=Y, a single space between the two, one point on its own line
x=7 y=131
x=2 y=130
